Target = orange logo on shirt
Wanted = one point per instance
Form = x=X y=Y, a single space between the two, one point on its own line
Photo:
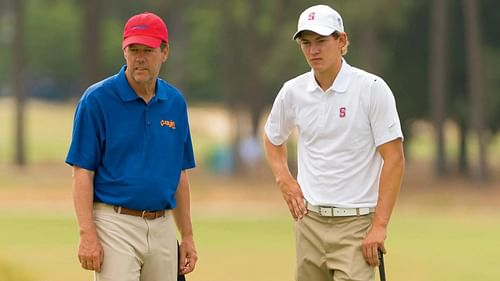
x=169 y=123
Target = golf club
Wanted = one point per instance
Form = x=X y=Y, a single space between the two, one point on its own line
x=381 y=267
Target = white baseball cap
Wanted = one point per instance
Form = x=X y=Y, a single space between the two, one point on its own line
x=320 y=19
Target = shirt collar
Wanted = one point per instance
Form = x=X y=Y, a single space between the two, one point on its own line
x=339 y=84
x=128 y=94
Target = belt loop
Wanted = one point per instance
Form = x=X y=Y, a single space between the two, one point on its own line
x=119 y=211
x=143 y=213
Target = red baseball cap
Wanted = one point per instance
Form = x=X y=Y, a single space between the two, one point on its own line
x=145 y=29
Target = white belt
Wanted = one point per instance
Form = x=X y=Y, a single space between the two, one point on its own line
x=328 y=211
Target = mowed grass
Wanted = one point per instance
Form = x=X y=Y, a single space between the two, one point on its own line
x=47 y=130
x=43 y=246
x=242 y=228
x=444 y=246
x=431 y=247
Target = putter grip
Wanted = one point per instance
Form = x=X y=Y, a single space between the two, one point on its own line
x=381 y=267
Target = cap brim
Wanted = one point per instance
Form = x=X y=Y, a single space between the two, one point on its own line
x=149 y=41
x=321 y=30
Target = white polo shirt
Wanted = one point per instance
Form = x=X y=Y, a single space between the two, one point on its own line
x=338 y=132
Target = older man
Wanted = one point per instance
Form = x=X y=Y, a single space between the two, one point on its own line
x=130 y=152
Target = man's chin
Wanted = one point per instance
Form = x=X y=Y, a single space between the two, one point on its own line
x=141 y=78
x=317 y=69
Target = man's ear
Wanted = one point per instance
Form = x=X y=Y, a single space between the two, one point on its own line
x=343 y=39
x=125 y=53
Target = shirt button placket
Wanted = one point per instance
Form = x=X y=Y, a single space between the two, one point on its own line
x=323 y=109
x=148 y=123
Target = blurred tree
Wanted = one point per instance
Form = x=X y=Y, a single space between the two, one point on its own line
x=439 y=78
x=491 y=61
x=18 y=78
x=251 y=31
x=240 y=53
x=473 y=47
x=491 y=67
x=459 y=105
x=92 y=13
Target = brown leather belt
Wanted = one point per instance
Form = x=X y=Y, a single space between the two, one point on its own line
x=150 y=215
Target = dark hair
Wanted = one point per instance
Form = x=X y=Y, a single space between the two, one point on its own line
x=163 y=45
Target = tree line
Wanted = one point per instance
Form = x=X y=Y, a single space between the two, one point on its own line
x=440 y=57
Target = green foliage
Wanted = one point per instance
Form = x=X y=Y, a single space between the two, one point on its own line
x=407 y=68
x=6 y=30
x=112 y=54
x=243 y=53
x=53 y=39
x=201 y=56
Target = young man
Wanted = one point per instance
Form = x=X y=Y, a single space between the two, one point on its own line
x=350 y=155
x=130 y=151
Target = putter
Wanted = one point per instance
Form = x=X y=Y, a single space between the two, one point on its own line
x=381 y=267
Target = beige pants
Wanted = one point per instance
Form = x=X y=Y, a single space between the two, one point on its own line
x=136 y=249
x=329 y=248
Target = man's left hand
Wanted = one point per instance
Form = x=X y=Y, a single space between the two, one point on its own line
x=187 y=256
x=374 y=241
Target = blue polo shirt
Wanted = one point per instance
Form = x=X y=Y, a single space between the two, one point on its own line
x=136 y=150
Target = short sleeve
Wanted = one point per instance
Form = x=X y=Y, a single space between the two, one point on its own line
x=188 y=161
x=383 y=113
x=87 y=139
x=280 y=122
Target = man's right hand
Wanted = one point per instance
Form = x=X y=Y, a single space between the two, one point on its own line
x=294 y=198
x=277 y=157
x=90 y=252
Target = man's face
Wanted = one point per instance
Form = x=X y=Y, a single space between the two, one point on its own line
x=144 y=63
x=321 y=52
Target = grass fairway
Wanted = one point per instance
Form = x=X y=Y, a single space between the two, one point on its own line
x=423 y=246
x=442 y=230
x=444 y=246
x=40 y=244
x=43 y=246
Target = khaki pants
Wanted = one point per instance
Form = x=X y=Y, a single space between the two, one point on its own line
x=329 y=248
x=136 y=249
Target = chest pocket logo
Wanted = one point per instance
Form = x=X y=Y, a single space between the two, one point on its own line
x=168 y=123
